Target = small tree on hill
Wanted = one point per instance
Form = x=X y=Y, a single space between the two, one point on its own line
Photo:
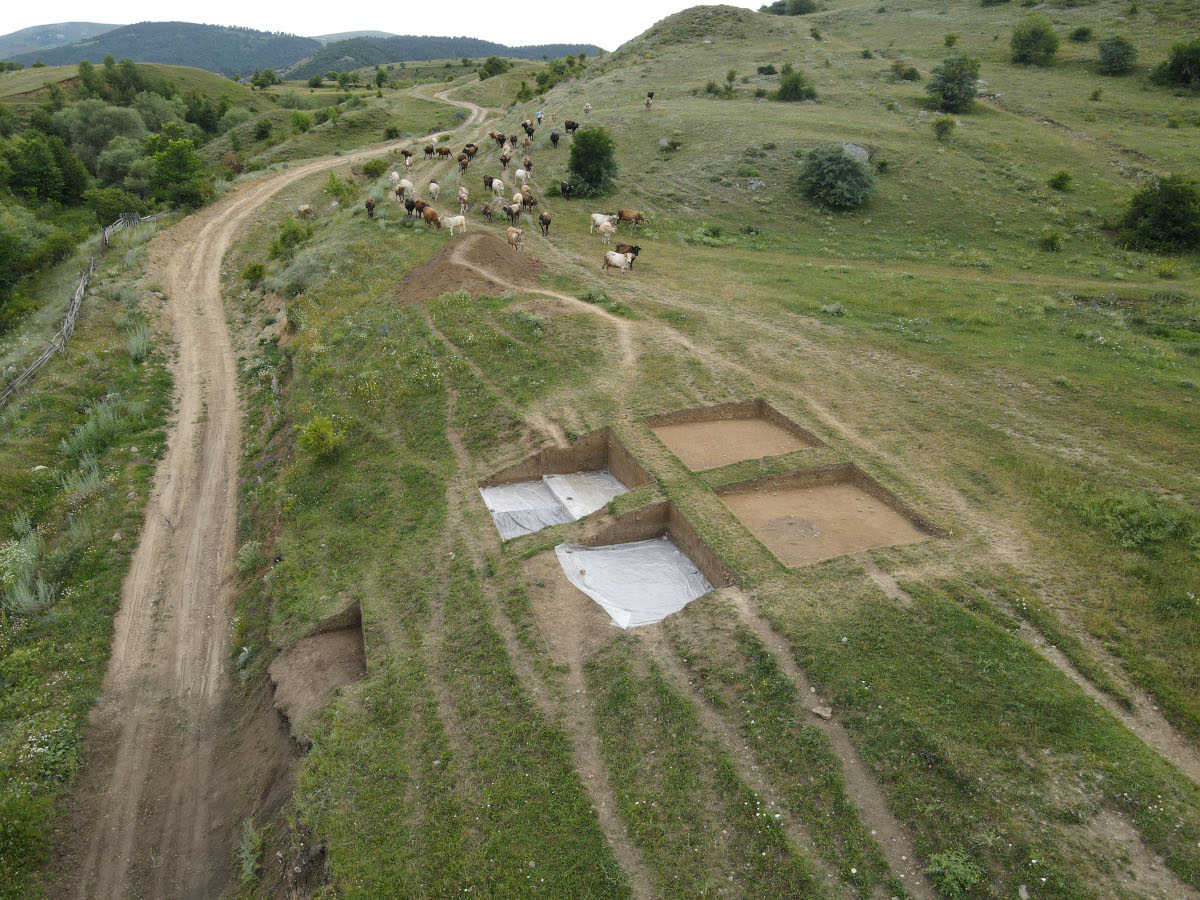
x=1182 y=69
x=1033 y=41
x=954 y=83
x=1164 y=216
x=942 y=126
x=833 y=178
x=315 y=81
x=795 y=86
x=1117 y=56
x=593 y=162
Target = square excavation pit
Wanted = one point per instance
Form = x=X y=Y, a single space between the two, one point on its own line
x=707 y=437
x=558 y=484
x=822 y=512
x=644 y=567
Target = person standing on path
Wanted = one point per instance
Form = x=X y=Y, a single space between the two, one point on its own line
x=539 y=117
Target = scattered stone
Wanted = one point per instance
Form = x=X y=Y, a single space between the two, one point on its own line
x=132 y=495
x=1023 y=892
x=38 y=469
x=757 y=185
x=825 y=712
x=116 y=537
x=858 y=151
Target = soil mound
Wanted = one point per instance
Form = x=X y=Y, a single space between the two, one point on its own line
x=476 y=262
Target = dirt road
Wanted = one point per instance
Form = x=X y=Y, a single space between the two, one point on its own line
x=154 y=815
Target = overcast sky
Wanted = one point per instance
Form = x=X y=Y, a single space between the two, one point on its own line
x=609 y=23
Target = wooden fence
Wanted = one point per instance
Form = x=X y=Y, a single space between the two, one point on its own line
x=58 y=343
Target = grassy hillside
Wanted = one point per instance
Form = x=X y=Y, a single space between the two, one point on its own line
x=43 y=37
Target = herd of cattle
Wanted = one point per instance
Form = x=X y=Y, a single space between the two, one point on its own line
x=522 y=200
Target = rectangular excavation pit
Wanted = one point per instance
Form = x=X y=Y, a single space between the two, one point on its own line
x=707 y=437
x=561 y=484
x=826 y=511
x=645 y=566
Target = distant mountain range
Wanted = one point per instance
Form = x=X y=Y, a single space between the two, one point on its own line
x=347 y=35
x=38 y=38
x=227 y=50
x=358 y=52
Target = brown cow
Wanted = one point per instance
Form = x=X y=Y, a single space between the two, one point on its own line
x=505 y=158
x=370 y=208
x=443 y=152
x=565 y=188
x=406 y=153
x=471 y=150
x=429 y=152
x=544 y=222
x=486 y=211
x=487 y=181
x=631 y=215
x=527 y=164
x=632 y=249
x=571 y=126
x=526 y=143
x=463 y=163
x=429 y=214
x=528 y=201
x=514 y=237
x=418 y=206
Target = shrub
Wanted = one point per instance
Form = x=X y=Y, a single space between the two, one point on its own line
x=991 y=2
x=291 y=236
x=137 y=342
x=262 y=128
x=943 y=126
x=760 y=93
x=301 y=122
x=249 y=558
x=954 y=873
x=815 y=32
x=1081 y=35
x=790 y=7
x=320 y=440
x=391 y=133
x=795 y=86
x=1164 y=216
x=902 y=71
x=833 y=178
x=1117 y=56
x=109 y=203
x=374 y=168
x=1182 y=68
x=951 y=39
x=1050 y=240
x=1097 y=94
x=768 y=69
x=1033 y=41
x=712 y=87
x=249 y=852
x=954 y=83
x=254 y=273
x=1060 y=180
x=867 y=54
x=593 y=161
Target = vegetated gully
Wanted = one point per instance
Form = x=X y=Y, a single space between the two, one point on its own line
x=153 y=814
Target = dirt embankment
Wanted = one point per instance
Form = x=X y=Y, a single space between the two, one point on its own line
x=476 y=262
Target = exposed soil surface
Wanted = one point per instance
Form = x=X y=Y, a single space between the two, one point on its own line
x=805 y=524
x=706 y=445
x=308 y=673
x=476 y=262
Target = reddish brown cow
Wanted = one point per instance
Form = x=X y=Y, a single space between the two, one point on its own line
x=429 y=152
x=429 y=214
x=370 y=208
x=443 y=152
x=406 y=153
x=631 y=215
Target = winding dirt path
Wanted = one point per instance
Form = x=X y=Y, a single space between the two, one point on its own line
x=153 y=816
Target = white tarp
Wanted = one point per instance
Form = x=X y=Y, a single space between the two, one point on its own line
x=637 y=583
x=528 y=506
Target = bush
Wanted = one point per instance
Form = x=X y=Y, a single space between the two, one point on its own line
x=1182 y=68
x=1060 y=180
x=254 y=273
x=902 y=71
x=262 y=128
x=1081 y=35
x=374 y=168
x=320 y=440
x=954 y=83
x=768 y=69
x=249 y=558
x=109 y=203
x=943 y=126
x=1117 y=56
x=1050 y=240
x=795 y=86
x=391 y=133
x=137 y=342
x=833 y=178
x=291 y=236
x=301 y=122
x=951 y=39
x=954 y=873
x=1164 y=216
x=1033 y=41
x=815 y=32
x=790 y=7
x=593 y=161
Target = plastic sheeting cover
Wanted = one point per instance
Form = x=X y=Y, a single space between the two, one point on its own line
x=528 y=506
x=636 y=583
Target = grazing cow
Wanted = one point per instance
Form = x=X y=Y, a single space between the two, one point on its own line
x=554 y=139
x=622 y=262
x=571 y=126
x=514 y=213
x=405 y=188
x=495 y=135
x=429 y=214
x=553 y=117
x=599 y=219
x=587 y=108
x=470 y=150
x=434 y=189
x=486 y=211
x=565 y=188
x=607 y=230
x=463 y=163
x=514 y=237
x=632 y=249
x=462 y=199
x=418 y=207
x=443 y=152
x=497 y=187
x=527 y=165
x=544 y=222
x=649 y=102
x=370 y=204
x=522 y=176
x=305 y=211
x=519 y=197
x=429 y=152
x=408 y=164
x=512 y=140
x=487 y=182
x=394 y=177
x=528 y=201
x=526 y=142
x=650 y=94
x=406 y=153
x=632 y=216
x=459 y=222
x=505 y=158
x=410 y=206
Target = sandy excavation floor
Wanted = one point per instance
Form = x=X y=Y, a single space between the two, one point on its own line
x=805 y=524
x=719 y=442
x=308 y=673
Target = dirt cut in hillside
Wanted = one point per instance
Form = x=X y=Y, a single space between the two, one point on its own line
x=476 y=262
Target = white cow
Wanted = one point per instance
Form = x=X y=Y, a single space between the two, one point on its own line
x=622 y=262
x=434 y=190
x=497 y=187
x=459 y=222
x=395 y=177
x=607 y=230
x=599 y=219
x=522 y=176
